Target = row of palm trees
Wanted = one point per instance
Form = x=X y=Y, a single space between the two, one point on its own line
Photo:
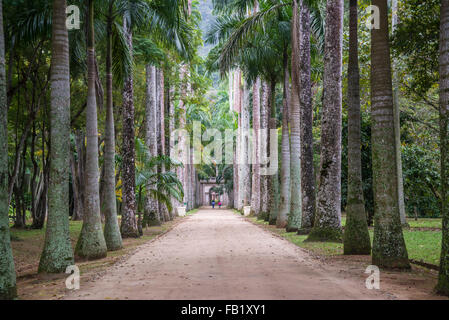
x=158 y=24
x=257 y=38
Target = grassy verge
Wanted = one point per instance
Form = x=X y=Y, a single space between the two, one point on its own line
x=424 y=246
x=421 y=223
x=193 y=211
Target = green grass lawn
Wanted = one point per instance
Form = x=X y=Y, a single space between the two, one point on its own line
x=24 y=234
x=425 y=223
x=433 y=223
x=422 y=246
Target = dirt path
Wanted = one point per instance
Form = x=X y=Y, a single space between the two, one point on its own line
x=216 y=254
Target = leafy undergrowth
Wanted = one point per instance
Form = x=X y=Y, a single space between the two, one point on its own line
x=423 y=246
x=27 y=246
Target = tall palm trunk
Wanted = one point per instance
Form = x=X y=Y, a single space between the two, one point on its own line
x=245 y=180
x=236 y=85
x=264 y=112
x=91 y=242
x=163 y=208
x=128 y=226
x=284 y=206
x=273 y=183
x=443 y=278
x=356 y=236
x=328 y=212
x=255 y=187
x=183 y=154
x=305 y=97
x=397 y=123
x=171 y=128
x=111 y=228
x=294 y=221
x=7 y=273
x=58 y=253
x=151 y=205
x=388 y=245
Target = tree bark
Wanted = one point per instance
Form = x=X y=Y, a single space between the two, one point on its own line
x=397 y=123
x=284 y=206
x=162 y=207
x=91 y=242
x=327 y=224
x=128 y=227
x=305 y=97
x=237 y=167
x=57 y=253
x=356 y=236
x=7 y=275
x=295 y=216
x=389 y=249
x=255 y=191
x=171 y=128
x=273 y=183
x=183 y=154
x=264 y=112
x=245 y=179
x=151 y=206
x=443 y=278
x=111 y=229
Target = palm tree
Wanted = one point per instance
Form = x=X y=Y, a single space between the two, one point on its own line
x=128 y=227
x=397 y=122
x=284 y=206
x=356 y=236
x=255 y=191
x=305 y=97
x=443 y=278
x=295 y=161
x=112 y=234
x=151 y=205
x=91 y=242
x=244 y=173
x=327 y=224
x=7 y=272
x=166 y=185
x=264 y=110
x=273 y=182
x=389 y=249
x=57 y=253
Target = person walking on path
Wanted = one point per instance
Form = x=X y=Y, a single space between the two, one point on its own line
x=219 y=204
x=213 y=204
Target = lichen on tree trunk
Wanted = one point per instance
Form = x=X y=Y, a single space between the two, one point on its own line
x=128 y=226
x=389 y=249
x=273 y=182
x=305 y=96
x=356 y=236
x=264 y=112
x=57 y=253
x=443 y=277
x=327 y=225
x=7 y=273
